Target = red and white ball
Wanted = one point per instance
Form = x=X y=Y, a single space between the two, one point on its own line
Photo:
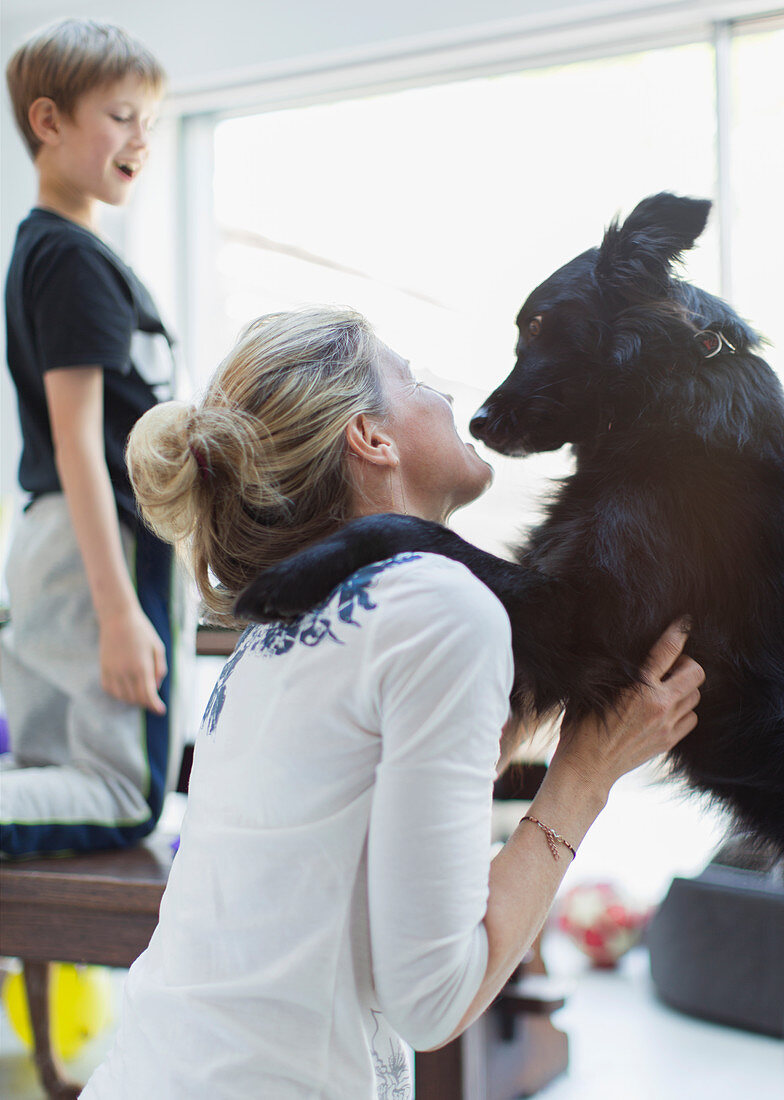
x=601 y=921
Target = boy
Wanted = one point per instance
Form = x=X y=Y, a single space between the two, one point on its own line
x=84 y=661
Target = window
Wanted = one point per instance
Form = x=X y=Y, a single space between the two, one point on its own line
x=436 y=210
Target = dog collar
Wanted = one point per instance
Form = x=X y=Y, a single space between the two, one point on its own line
x=711 y=343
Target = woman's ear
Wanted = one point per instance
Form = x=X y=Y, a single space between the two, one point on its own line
x=369 y=440
x=44 y=119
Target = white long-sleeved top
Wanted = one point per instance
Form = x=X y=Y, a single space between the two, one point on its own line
x=328 y=894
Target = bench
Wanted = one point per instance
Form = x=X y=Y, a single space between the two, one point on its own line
x=97 y=908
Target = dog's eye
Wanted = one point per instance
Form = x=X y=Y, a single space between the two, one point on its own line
x=535 y=325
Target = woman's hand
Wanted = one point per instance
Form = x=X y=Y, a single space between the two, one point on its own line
x=648 y=720
x=133 y=658
x=591 y=755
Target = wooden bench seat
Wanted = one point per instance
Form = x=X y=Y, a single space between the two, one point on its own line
x=98 y=908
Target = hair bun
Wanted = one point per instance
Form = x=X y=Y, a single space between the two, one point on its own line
x=161 y=475
x=255 y=470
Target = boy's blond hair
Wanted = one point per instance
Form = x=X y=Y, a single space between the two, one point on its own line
x=65 y=61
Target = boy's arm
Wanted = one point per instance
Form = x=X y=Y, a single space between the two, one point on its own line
x=133 y=659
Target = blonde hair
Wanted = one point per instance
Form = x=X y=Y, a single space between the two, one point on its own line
x=256 y=470
x=70 y=58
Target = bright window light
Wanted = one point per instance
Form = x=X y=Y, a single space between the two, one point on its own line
x=435 y=211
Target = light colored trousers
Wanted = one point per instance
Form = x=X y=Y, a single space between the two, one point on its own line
x=86 y=770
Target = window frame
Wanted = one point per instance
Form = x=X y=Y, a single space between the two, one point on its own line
x=456 y=57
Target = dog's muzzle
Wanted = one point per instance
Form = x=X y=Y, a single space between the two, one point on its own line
x=494 y=432
x=479 y=423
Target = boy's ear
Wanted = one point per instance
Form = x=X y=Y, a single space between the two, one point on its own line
x=368 y=440
x=44 y=119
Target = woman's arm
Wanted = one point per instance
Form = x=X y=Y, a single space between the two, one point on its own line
x=133 y=659
x=435 y=682
x=524 y=876
x=445 y=935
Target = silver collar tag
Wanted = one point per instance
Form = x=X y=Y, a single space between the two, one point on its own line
x=711 y=343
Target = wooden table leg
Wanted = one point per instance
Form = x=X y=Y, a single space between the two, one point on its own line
x=439 y=1073
x=56 y=1087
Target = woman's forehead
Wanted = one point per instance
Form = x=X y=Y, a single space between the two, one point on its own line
x=394 y=366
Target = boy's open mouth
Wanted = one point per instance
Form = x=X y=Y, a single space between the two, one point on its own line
x=129 y=170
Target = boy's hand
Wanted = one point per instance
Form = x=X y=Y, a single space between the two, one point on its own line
x=133 y=659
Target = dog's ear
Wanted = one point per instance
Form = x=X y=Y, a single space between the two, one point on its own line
x=635 y=257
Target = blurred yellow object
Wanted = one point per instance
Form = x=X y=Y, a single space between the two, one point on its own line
x=80 y=1006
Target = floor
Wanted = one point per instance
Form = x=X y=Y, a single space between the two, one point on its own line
x=624 y=1044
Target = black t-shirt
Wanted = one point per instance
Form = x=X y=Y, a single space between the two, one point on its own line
x=71 y=302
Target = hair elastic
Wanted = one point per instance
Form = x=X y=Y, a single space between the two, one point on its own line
x=201 y=462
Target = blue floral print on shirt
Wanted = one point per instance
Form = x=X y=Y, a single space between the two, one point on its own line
x=310 y=629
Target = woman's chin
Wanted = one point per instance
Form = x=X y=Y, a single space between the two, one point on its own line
x=488 y=472
x=476 y=489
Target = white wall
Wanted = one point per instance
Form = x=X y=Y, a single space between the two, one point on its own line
x=198 y=39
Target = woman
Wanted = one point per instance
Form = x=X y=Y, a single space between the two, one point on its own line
x=333 y=898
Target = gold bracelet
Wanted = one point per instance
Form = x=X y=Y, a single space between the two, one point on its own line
x=553 y=838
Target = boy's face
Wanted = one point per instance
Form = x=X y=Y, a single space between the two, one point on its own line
x=104 y=145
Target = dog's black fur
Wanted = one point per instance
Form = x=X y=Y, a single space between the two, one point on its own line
x=676 y=506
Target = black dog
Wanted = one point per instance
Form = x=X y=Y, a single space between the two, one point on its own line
x=676 y=506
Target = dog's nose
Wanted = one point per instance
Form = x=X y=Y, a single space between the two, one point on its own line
x=479 y=422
